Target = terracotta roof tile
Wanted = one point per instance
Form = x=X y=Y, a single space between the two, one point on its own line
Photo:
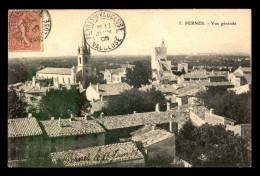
x=59 y=71
x=146 y=118
x=152 y=137
x=112 y=89
x=126 y=151
x=22 y=127
x=78 y=126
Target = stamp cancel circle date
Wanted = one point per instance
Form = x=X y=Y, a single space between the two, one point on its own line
x=104 y=31
x=27 y=29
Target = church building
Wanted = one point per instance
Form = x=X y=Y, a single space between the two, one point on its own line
x=75 y=75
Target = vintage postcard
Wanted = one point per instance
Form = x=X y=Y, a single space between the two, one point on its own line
x=129 y=88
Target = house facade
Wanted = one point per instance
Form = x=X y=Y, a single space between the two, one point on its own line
x=24 y=138
x=71 y=134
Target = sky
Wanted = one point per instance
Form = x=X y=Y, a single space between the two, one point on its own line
x=145 y=29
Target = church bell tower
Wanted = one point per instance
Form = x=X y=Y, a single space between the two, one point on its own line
x=84 y=61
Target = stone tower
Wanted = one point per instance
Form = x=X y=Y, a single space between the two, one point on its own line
x=84 y=61
x=158 y=56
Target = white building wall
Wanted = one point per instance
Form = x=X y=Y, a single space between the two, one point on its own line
x=67 y=78
x=92 y=94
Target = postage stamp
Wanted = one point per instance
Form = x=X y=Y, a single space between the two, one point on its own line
x=27 y=29
x=104 y=30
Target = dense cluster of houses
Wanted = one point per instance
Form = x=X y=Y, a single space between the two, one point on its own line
x=132 y=140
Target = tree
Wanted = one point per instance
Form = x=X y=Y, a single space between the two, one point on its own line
x=62 y=103
x=134 y=100
x=217 y=146
x=140 y=75
x=17 y=72
x=16 y=104
x=228 y=104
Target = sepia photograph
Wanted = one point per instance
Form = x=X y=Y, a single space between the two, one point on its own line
x=129 y=88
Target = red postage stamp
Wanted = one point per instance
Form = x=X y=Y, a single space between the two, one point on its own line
x=27 y=29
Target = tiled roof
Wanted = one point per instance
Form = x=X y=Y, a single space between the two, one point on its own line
x=112 y=89
x=59 y=71
x=246 y=69
x=164 y=88
x=143 y=129
x=152 y=137
x=97 y=106
x=226 y=83
x=195 y=76
x=237 y=74
x=248 y=78
x=146 y=118
x=104 y=154
x=200 y=111
x=37 y=90
x=22 y=127
x=78 y=126
x=190 y=88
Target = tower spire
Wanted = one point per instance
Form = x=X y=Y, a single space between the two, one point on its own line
x=83 y=41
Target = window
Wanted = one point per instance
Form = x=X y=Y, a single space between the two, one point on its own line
x=117 y=79
x=63 y=80
x=68 y=80
x=114 y=79
x=80 y=60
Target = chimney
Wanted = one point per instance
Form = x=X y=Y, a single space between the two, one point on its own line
x=170 y=126
x=101 y=115
x=153 y=127
x=30 y=115
x=59 y=122
x=101 y=98
x=168 y=106
x=85 y=116
x=52 y=118
x=97 y=87
x=157 y=107
x=132 y=86
x=178 y=108
x=211 y=111
x=134 y=112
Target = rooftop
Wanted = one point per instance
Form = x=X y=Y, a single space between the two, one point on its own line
x=97 y=106
x=226 y=83
x=145 y=118
x=59 y=71
x=22 y=127
x=164 y=88
x=200 y=111
x=105 y=154
x=195 y=76
x=111 y=89
x=246 y=69
x=152 y=137
x=78 y=126
x=248 y=78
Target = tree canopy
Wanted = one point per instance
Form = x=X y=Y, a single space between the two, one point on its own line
x=134 y=100
x=140 y=75
x=211 y=146
x=228 y=104
x=16 y=104
x=62 y=103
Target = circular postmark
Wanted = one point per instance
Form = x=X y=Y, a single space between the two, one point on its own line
x=30 y=26
x=104 y=31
